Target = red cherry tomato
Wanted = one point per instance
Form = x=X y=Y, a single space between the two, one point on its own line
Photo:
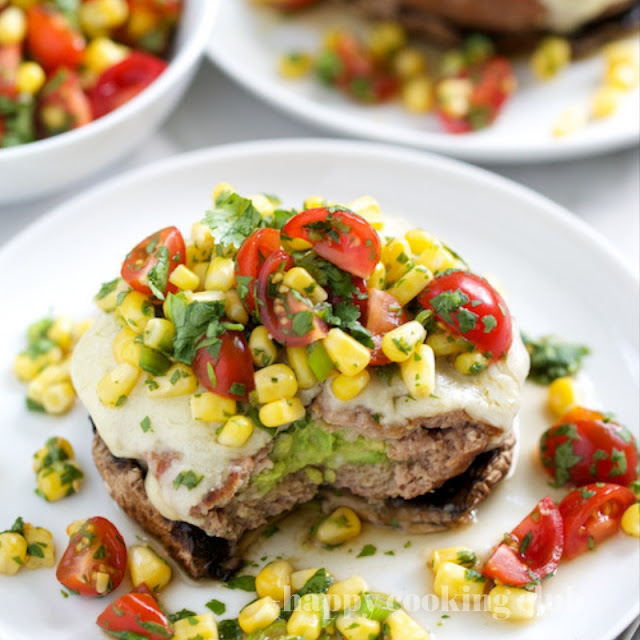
x=533 y=550
x=226 y=367
x=51 y=40
x=592 y=514
x=10 y=58
x=153 y=260
x=384 y=314
x=470 y=307
x=579 y=452
x=123 y=81
x=288 y=318
x=63 y=104
x=251 y=256
x=96 y=547
x=137 y=613
x=340 y=236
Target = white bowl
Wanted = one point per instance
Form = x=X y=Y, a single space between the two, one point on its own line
x=40 y=168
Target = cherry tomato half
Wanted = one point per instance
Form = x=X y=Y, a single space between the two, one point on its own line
x=340 y=236
x=592 y=514
x=288 y=317
x=123 y=81
x=579 y=452
x=10 y=57
x=225 y=367
x=251 y=256
x=532 y=550
x=95 y=548
x=63 y=104
x=384 y=314
x=137 y=612
x=51 y=40
x=149 y=264
x=471 y=308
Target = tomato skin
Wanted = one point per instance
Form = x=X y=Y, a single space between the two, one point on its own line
x=484 y=310
x=148 y=253
x=123 y=81
x=232 y=365
x=10 y=57
x=63 y=92
x=592 y=514
x=96 y=546
x=534 y=549
x=598 y=452
x=339 y=236
x=136 y=612
x=384 y=313
x=276 y=313
x=252 y=254
x=51 y=40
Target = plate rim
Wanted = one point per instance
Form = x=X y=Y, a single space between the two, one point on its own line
x=322 y=117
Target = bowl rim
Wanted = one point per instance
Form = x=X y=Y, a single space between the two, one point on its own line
x=194 y=47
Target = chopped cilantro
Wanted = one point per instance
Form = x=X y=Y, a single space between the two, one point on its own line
x=319 y=582
x=181 y=615
x=243 y=283
x=230 y=630
x=233 y=219
x=158 y=275
x=551 y=358
x=243 y=583
x=447 y=303
x=145 y=424
x=107 y=288
x=189 y=479
x=565 y=460
x=619 y=460
x=466 y=558
x=473 y=575
x=216 y=606
x=366 y=551
x=302 y=323
x=237 y=389
x=525 y=542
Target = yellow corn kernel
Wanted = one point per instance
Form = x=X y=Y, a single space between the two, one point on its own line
x=562 y=396
x=551 y=56
x=61 y=332
x=41 y=552
x=438 y=258
x=27 y=367
x=210 y=407
x=221 y=190
x=262 y=347
x=183 y=278
x=80 y=328
x=455 y=581
x=378 y=277
x=631 y=520
x=259 y=614
x=313 y=202
x=346 y=388
x=309 y=616
x=353 y=627
x=31 y=78
x=409 y=63
x=342 y=525
x=59 y=480
x=200 y=269
x=13 y=26
x=419 y=240
x=300 y=578
x=136 y=310
x=103 y=53
x=623 y=75
x=299 y=362
x=54 y=449
x=58 y=398
x=444 y=344
x=122 y=345
x=107 y=297
x=403 y=627
x=262 y=204
x=147 y=567
x=50 y=375
x=202 y=626
x=418 y=94
x=349 y=356
x=411 y=284
x=302 y=281
x=220 y=275
x=453 y=96
x=419 y=372
x=98 y=17
x=458 y=555
x=395 y=256
x=158 y=334
x=345 y=594
x=399 y=343
x=280 y=412
x=206 y=296
x=605 y=102
x=386 y=39
x=236 y=431
x=274 y=581
x=234 y=308
x=369 y=209
x=275 y=382
x=13 y=552
x=569 y=122
x=625 y=51
x=202 y=244
x=295 y=64
x=116 y=385
x=471 y=363
x=178 y=381
x=511 y=603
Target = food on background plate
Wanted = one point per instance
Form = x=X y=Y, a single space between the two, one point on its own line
x=280 y=355
x=25 y=546
x=64 y=64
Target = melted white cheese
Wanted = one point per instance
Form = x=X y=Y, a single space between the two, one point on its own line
x=568 y=15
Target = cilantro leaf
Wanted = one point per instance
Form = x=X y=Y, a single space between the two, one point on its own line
x=158 y=276
x=552 y=358
x=243 y=583
x=233 y=220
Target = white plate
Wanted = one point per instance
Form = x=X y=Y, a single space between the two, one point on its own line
x=559 y=277
x=247 y=43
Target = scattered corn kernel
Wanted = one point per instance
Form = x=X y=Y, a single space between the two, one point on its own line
x=418 y=372
x=399 y=343
x=55 y=449
x=262 y=347
x=302 y=281
x=510 y=603
x=220 y=275
x=259 y=614
x=299 y=362
x=275 y=581
x=605 y=102
x=147 y=567
x=455 y=581
x=234 y=308
x=342 y=525
x=418 y=94
x=202 y=627
x=107 y=297
x=411 y=284
x=309 y=616
x=13 y=552
x=471 y=363
x=453 y=96
x=27 y=366
x=183 y=278
x=31 y=78
x=13 y=26
x=345 y=594
x=562 y=396
x=402 y=627
x=550 y=57
x=178 y=381
x=631 y=520
x=569 y=122
x=369 y=209
x=444 y=344
x=263 y=204
x=41 y=552
x=438 y=258
x=280 y=412
x=53 y=374
x=236 y=432
x=275 y=382
x=353 y=627
x=98 y=17
x=59 y=480
x=136 y=310
x=295 y=64
x=158 y=334
x=623 y=75
x=103 y=53
x=349 y=356
x=395 y=256
x=409 y=63
x=346 y=388
x=386 y=39
x=458 y=555
x=300 y=578
x=378 y=277
x=58 y=398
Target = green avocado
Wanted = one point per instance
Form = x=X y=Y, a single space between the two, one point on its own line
x=306 y=444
